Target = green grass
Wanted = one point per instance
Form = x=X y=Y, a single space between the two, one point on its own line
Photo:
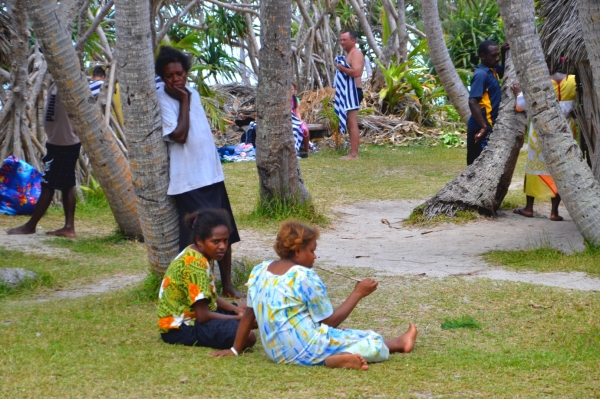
x=43 y=279
x=107 y=346
x=382 y=173
x=418 y=219
x=462 y=322
x=547 y=259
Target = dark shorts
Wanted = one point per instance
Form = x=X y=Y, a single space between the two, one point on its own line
x=359 y=91
x=213 y=196
x=59 y=166
x=219 y=334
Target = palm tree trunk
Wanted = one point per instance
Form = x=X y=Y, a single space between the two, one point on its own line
x=402 y=34
x=148 y=156
x=589 y=18
x=109 y=165
x=278 y=170
x=577 y=186
x=484 y=184
x=456 y=90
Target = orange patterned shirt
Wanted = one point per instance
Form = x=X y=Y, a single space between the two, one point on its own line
x=188 y=279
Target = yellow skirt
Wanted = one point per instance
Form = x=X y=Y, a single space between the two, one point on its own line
x=540 y=186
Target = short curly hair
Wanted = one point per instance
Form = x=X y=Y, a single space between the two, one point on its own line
x=293 y=236
x=167 y=55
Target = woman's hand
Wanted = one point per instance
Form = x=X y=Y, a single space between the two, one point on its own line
x=241 y=308
x=177 y=93
x=223 y=353
x=365 y=287
x=516 y=88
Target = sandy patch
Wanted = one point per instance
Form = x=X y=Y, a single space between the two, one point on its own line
x=360 y=239
x=109 y=284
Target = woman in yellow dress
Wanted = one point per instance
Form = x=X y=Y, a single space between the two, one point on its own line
x=538 y=181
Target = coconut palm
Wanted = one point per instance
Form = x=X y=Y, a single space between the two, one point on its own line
x=278 y=170
x=148 y=156
x=576 y=184
x=110 y=166
x=440 y=57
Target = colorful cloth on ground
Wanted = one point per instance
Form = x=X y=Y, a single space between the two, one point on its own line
x=188 y=279
x=538 y=182
x=289 y=309
x=20 y=187
x=346 y=96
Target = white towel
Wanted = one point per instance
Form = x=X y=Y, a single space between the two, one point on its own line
x=346 y=95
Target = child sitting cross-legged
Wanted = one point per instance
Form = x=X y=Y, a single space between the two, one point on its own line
x=297 y=323
x=189 y=310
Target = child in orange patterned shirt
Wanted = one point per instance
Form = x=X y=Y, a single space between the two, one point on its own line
x=189 y=310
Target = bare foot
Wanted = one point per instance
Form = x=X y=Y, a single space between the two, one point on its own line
x=347 y=361
x=24 y=229
x=403 y=343
x=230 y=292
x=64 y=232
x=523 y=212
x=350 y=157
x=556 y=218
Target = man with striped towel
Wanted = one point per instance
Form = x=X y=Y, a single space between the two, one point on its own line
x=348 y=89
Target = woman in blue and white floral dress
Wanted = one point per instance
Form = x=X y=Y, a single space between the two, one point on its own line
x=297 y=323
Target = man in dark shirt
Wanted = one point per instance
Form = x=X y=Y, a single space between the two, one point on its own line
x=484 y=97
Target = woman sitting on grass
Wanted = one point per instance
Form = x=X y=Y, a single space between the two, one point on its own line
x=189 y=311
x=296 y=320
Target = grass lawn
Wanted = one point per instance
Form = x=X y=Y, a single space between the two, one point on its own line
x=532 y=341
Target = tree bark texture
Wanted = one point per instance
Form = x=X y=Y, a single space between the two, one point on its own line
x=588 y=117
x=440 y=57
x=589 y=18
x=577 y=186
x=148 y=154
x=484 y=184
x=110 y=166
x=278 y=170
x=402 y=34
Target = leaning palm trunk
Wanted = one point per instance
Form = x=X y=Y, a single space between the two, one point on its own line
x=278 y=170
x=148 y=154
x=110 y=166
x=589 y=18
x=453 y=85
x=484 y=184
x=577 y=186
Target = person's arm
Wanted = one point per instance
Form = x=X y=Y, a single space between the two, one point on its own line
x=503 y=49
x=179 y=135
x=243 y=331
x=476 y=112
x=225 y=305
x=297 y=110
x=520 y=104
x=478 y=87
x=203 y=313
x=362 y=289
x=356 y=62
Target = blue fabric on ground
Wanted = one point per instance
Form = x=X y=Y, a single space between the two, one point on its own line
x=20 y=187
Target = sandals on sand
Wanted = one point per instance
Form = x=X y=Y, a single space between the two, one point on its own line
x=519 y=211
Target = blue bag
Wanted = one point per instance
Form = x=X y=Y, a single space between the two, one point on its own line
x=20 y=187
